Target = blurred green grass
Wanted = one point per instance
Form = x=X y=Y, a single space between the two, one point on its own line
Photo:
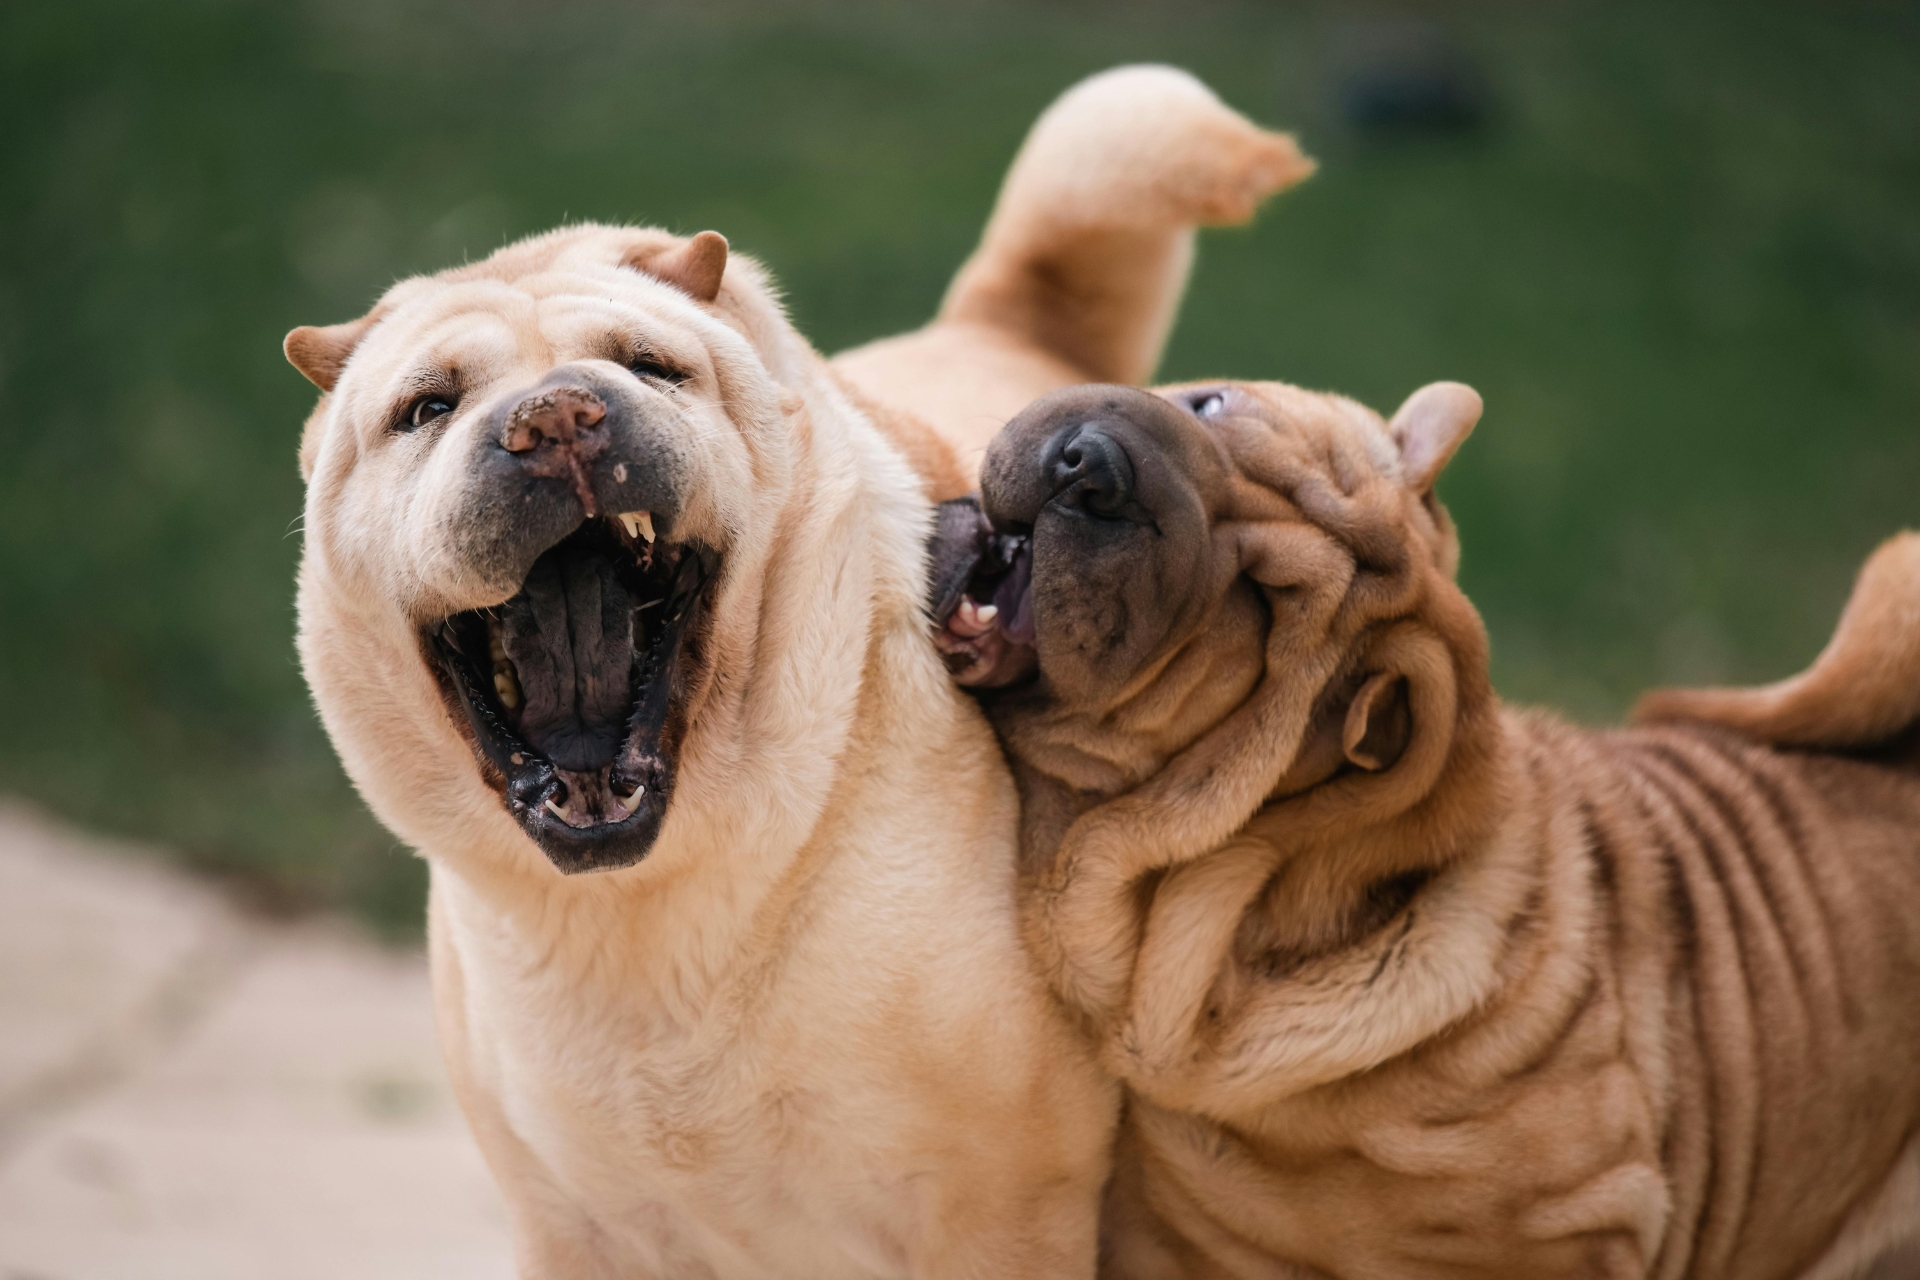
x=1682 y=262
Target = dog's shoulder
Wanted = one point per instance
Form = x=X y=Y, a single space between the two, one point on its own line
x=933 y=459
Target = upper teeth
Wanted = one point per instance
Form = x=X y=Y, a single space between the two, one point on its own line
x=638 y=524
x=632 y=802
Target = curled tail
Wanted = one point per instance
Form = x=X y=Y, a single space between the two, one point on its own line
x=1087 y=252
x=1864 y=688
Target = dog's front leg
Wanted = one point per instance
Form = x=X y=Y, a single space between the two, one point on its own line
x=553 y=1240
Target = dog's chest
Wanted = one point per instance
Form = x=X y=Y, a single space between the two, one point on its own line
x=728 y=1143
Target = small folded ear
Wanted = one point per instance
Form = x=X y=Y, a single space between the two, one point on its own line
x=1378 y=722
x=694 y=266
x=320 y=351
x=1371 y=731
x=1430 y=426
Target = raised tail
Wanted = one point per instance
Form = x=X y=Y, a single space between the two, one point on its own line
x=1088 y=249
x=1083 y=262
x=1862 y=691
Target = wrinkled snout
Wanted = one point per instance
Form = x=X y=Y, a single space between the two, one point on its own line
x=1098 y=451
x=558 y=432
x=1099 y=499
x=580 y=444
x=564 y=417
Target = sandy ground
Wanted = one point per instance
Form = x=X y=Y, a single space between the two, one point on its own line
x=187 y=1092
x=190 y=1093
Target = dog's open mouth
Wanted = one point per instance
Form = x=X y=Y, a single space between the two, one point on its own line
x=982 y=598
x=575 y=687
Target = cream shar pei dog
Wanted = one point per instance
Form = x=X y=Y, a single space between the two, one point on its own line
x=608 y=571
x=1403 y=982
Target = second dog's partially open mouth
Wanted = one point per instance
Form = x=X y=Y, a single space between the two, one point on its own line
x=982 y=604
x=575 y=687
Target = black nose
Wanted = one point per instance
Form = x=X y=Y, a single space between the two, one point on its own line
x=1092 y=472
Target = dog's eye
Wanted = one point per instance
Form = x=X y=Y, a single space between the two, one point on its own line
x=650 y=369
x=427 y=408
x=1206 y=404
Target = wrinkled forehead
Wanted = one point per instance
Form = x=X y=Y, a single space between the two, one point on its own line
x=494 y=320
x=1273 y=430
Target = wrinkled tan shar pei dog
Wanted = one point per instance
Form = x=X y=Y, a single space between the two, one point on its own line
x=1404 y=982
x=607 y=571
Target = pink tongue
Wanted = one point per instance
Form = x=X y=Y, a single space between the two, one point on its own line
x=1014 y=598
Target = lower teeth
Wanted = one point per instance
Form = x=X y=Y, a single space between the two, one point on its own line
x=628 y=806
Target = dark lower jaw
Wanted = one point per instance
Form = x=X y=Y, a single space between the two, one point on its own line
x=601 y=806
x=983 y=603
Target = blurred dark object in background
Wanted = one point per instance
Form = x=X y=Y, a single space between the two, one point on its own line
x=1408 y=76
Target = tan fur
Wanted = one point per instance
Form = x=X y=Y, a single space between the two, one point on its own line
x=1859 y=690
x=1082 y=265
x=932 y=455
x=320 y=352
x=1499 y=996
x=697 y=267
x=802 y=1037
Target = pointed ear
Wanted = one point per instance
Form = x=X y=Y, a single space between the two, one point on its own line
x=1430 y=426
x=694 y=266
x=1378 y=722
x=320 y=351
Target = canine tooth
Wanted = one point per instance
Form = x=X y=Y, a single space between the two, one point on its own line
x=638 y=524
x=973 y=619
x=632 y=802
x=555 y=810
